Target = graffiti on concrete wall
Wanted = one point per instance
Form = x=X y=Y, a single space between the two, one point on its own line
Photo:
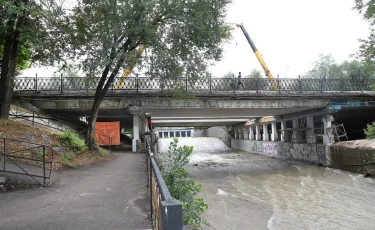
x=285 y=150
x=270 y=148
x=256 y=147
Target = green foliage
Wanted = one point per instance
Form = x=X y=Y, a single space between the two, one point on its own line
x=39 y=155
x=72 y=140
x=326 y=67
x=370 y=131
x=181 y=187
x=66 y=158
x=181 y=93
x=254 y=74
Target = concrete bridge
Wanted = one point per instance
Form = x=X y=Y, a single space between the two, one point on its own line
x=199 y=103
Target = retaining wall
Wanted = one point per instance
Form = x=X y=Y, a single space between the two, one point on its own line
x=314 y=153
x=219 y=132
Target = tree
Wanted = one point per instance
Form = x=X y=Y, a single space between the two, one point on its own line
x=25 y=36
x=367 y=47
x=325 y=67
x=254 y=74
x=180 y=37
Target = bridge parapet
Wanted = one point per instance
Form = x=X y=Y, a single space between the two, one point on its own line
x=202 y=85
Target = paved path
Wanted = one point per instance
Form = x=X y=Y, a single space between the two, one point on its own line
x=110 y=195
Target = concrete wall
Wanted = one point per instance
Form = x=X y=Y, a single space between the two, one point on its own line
x=357 y=160
x=219 y=132
x=314 y=153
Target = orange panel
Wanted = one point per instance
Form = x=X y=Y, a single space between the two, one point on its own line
x=107 y=133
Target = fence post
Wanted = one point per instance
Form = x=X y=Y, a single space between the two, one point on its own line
x=4 y=152
x=300 y=83
x=341 y=84
x=136 y=82
x=210 y=84
x=61 y=82
x=44 y=165
x=278 y=83
x=172 y=215
x=36 y=82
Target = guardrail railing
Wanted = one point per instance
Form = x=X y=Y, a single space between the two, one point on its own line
x=207 y=84
x=166 y=213
x=26 y=152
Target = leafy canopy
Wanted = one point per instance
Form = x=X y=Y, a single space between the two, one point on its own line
x=181 y=37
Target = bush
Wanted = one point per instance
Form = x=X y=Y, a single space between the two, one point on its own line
x=65 y=160
x=73 y=142
x=370 y=131
x=181 y=187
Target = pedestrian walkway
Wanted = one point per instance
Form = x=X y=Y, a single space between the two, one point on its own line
x=110 y=195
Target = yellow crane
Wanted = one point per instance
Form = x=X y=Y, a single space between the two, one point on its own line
x=259 y=56
x=129 y=69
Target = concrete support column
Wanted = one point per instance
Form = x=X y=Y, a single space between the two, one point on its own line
x=296 y=132
x=274 y=134
x=245 y=133
x=251 y=133
x=266 y=137
x=258 y=137
x=310 y=134
x=235 y=133
x=283 y=132
x=240 y=134
x=328 y=135
x=135 y=132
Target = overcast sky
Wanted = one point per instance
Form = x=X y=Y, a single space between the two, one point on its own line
x=291 y=33
x=288 y=33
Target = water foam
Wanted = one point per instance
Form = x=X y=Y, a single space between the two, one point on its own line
x=201 y=144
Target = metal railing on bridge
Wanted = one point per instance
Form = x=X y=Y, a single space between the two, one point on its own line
x=207 y=84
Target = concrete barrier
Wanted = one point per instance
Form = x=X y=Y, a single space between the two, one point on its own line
x=313 y=153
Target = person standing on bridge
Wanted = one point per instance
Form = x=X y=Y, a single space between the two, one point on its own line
x=239 y=79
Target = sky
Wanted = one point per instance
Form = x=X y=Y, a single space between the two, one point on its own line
x=290 y=34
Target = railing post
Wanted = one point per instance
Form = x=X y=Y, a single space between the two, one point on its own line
x=278 y=83
x=234 y=84
x=300 y=83
x=361 y=81
x=321 y=84
x=186 y=83
x=210 y=84
x=44 y=165
x=4 y=152
x=341 y=84
x=257 y=84
x=150 y=186
x=136 y=82
x=61 y=82
x=172 y=215
x=36 y=82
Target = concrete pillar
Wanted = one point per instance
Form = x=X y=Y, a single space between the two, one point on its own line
x=240 y=135
x=274 y=134
x=246 y=133
x=266 y=137
x=135 y=132
x=296 y=132
x=235 y=133
x=258 y=137
x=251 y=133
x=310 y=134
x=283 y=130
x=327 y=124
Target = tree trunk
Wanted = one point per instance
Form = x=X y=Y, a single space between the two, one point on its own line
x=99 y=96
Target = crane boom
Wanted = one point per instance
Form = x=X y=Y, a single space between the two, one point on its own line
x=259 y=56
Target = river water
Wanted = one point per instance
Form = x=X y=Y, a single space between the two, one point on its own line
x=251 y=191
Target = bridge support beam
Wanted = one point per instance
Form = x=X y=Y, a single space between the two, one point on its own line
x=258 y=137
x=136 y=119
x=283 y=132
x=251 y=133
x=274 y=135
x=310 y=134
x=266 y=136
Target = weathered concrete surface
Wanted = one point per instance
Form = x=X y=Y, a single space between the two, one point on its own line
x=313 y=153
x=354 y=156
x=110 y=195
x=219 y=132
